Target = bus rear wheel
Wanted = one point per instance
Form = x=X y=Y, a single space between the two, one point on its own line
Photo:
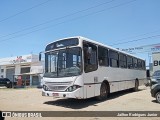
x=135 y=89
x=103 y=92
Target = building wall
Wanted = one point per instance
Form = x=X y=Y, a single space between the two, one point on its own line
x=19 y=62
x=2 y=74
x=17 y=69
x=156 y=61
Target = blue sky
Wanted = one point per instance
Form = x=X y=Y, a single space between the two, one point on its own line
x=106 y=21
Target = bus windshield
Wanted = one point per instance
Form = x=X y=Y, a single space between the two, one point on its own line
x=63 y=63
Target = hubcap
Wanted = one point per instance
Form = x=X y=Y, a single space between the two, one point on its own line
x=103 y=91
x=158 y=97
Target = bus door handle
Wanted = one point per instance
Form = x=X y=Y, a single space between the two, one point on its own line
x=95 y=79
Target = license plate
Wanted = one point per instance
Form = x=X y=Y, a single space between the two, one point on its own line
x=55 y=94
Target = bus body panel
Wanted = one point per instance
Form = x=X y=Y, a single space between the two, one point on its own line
x=118 y=78
x=91 y=84
x=121 y=79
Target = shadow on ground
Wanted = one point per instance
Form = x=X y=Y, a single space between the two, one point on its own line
x=83 y=103
x=154 y=101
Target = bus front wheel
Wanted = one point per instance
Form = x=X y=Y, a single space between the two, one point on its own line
x=103 y=92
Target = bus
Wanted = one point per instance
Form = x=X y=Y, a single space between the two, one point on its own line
x=80 y=68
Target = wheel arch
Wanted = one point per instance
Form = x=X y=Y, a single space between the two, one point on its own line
x=158 y=90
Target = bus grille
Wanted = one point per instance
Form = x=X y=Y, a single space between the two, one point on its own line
x=57 y=86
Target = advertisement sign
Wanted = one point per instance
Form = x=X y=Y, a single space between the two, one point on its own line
x=20 y=59
x=147 y=48
x=156 y=61
x=17 y=60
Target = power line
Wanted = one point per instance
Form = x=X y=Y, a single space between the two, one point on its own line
x=58 y=18
x=28 y=9
x=136 y=40
x=137 y=36
x=70 y=20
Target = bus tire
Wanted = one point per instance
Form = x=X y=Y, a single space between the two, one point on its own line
x=157 y=96
x=135 y=89
x=104 y=91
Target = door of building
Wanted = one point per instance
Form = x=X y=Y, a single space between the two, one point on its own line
x=9 y=73
x=35 y=80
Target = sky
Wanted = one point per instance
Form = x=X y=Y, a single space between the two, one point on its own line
x=27 y=26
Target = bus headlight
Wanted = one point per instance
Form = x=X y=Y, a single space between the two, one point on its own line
x=46 y=88
x=72 y=88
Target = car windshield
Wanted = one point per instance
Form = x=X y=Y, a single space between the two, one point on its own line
x=63 y=63
x=157 y=73
x=4 y=79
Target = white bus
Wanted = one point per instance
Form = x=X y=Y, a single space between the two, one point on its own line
x=81 y=68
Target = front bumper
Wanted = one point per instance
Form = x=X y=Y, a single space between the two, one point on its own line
x=74 y=94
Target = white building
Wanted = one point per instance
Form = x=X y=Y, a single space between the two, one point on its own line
x=156 y=61
x=26 y=68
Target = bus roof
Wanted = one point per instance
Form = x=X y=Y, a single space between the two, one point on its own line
x=98 y=43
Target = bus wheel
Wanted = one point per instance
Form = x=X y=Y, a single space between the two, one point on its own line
x=103 y=92
x=135 y=89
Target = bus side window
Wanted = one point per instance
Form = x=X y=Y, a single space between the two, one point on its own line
x=129 y=62
x=114 y=58
x=122 y=60
x=139 y=64
x=134 y=62
x=143 y=65
x=103 y=56
x=90 y=57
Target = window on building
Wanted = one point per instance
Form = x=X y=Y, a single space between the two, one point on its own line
x=2 y=70
x=114 y=59
x=103 y=56
x=25 y=70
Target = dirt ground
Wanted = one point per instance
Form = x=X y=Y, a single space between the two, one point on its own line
x=30 y=99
